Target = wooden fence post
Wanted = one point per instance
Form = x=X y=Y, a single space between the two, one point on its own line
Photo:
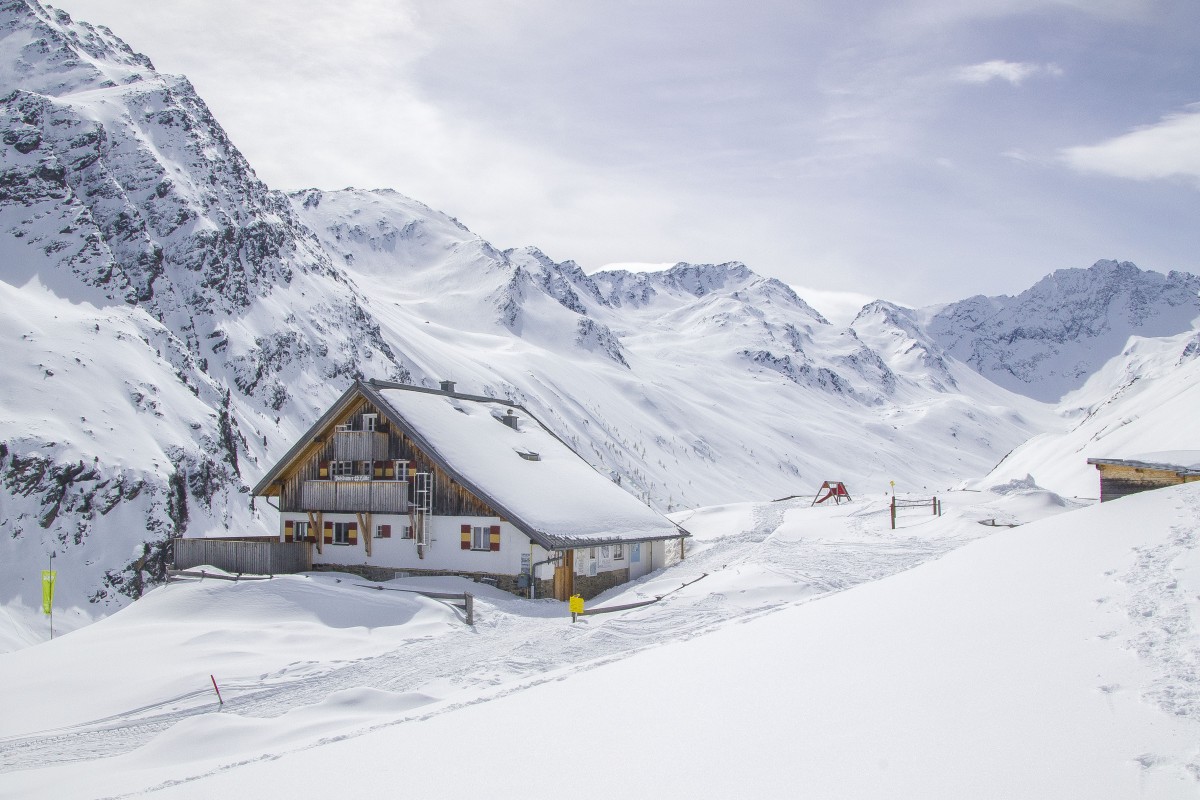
x=893 y=512
x=470 y=607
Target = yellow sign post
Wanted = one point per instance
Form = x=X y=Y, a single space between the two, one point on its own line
x=576 y=606
x=48 y=576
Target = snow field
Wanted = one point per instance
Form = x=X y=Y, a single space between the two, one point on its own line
x=942 y=653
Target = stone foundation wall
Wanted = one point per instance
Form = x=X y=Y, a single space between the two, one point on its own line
x=587 y=586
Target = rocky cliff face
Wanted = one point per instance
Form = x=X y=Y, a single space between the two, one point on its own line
x=174 y=307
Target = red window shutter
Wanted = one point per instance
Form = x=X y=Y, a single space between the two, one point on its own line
x=352 y=532
x=328 y=532
x=385 y=531
x=494 y=536
x=288 y=528
x=466 y=537
x=323 y=469
x=378 y=470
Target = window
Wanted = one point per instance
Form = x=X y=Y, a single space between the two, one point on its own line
x=407 y=532
x=383 y=531
x=369 y=421
x=618 y=552
x=604 y=551
x=481 y=537
x=299 y=531
x=341 y=533
x=341 y=469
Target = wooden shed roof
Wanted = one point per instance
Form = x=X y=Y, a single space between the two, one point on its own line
x=1181 y=470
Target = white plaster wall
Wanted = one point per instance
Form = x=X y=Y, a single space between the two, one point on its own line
x=444 y=551
x=642 y=565
x=584 y=557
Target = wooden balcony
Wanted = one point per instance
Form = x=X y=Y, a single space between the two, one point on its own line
x=360 y=446
x=379 y=497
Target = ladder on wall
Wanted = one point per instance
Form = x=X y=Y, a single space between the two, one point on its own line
x=420 y=509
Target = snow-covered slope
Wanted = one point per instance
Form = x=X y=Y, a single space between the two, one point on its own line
x=821 y=650
x=1144 y=401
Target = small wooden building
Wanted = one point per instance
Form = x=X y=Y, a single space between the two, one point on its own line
x=1120 y=477
x=402 y=479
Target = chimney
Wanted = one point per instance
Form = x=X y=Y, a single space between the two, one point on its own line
x=510 y=419
x=447 y=386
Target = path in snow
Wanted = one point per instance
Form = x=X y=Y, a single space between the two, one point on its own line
x=515 y=644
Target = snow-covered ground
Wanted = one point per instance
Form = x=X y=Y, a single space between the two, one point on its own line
x=945 y=659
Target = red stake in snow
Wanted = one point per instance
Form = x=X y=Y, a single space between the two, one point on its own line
x=215 y=689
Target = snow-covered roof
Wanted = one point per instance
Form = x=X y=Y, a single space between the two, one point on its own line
x=1182 y=462
x=526 y=472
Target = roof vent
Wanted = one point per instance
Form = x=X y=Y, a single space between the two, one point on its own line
x=510 y=419
x=447 y=386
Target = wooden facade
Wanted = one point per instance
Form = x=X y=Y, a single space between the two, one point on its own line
x=1122 y=477
x=381 y=477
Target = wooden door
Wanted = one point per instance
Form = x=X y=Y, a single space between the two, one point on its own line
x=564 y=576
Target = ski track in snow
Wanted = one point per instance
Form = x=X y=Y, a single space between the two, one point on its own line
x=535 y=649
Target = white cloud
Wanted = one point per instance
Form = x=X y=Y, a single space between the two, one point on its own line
x=1012 y=71
x=1169 y=149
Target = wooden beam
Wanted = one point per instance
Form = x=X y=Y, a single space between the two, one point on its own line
x=314 y=523
x=364 y=525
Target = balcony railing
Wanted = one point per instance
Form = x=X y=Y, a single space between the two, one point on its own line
x=380 y=497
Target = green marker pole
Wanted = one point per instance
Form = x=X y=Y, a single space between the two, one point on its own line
x=51 y=595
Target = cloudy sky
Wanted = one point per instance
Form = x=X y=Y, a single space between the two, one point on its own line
x=919 y=150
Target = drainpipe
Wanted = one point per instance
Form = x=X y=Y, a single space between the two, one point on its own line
x=533 y=574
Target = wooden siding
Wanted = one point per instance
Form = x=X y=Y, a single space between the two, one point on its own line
x=303 y=489
x=1118 y=480
x=253 y=557
x=379 y=497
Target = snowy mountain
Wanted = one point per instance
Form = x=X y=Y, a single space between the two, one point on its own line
x=175 y=325
x=1050 y=338
x=166 y=306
